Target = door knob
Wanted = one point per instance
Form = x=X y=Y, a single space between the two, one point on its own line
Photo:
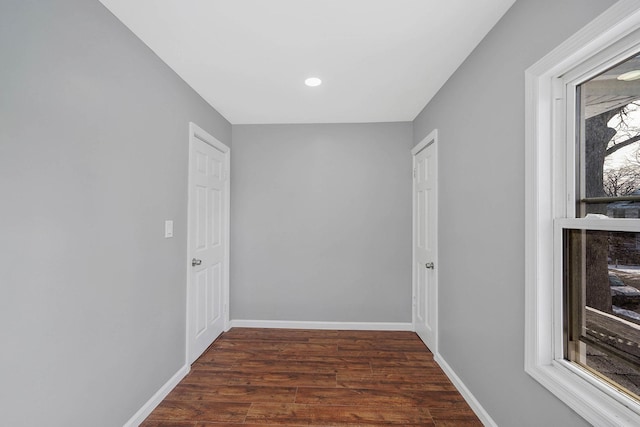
x=430 y=265
x=195 y=262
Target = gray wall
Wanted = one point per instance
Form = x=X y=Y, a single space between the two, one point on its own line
x=480 y=117
x=93 y=159
x=321 y=222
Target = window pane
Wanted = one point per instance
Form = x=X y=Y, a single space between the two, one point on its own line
x=602 y=320
x=609 y=143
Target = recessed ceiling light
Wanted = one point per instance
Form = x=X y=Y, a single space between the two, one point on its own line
x=313 y=81
x=631 y=75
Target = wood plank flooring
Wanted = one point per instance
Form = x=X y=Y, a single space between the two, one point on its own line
x=279 y=377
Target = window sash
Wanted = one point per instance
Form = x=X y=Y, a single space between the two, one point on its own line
x=597 y=224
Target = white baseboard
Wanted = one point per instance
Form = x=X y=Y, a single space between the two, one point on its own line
x=155 y=400
x=359 y=326
x=465 y=392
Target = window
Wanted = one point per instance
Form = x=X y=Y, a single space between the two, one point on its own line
x=601 y=267
x=582 y=336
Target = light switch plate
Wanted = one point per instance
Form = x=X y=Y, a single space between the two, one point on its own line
x=168 y=228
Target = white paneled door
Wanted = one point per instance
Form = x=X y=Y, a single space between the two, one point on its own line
x=425 y=240
x=208 y=258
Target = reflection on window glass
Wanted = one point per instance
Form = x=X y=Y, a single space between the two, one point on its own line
x=602 y=284
x=609 y=158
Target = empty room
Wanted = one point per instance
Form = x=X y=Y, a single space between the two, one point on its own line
x=320 y=213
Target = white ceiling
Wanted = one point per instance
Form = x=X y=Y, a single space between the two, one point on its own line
x=380 y=60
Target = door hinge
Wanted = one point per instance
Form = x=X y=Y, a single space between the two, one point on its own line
x=414 y=173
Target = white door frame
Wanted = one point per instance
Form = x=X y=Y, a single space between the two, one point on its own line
x=197 y=133
x=429 y=140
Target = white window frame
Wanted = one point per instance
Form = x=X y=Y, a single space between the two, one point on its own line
x=550 y=207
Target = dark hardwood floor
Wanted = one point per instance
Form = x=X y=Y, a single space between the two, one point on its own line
x=279 y=377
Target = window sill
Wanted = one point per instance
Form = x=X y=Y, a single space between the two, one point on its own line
x=579 y=391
